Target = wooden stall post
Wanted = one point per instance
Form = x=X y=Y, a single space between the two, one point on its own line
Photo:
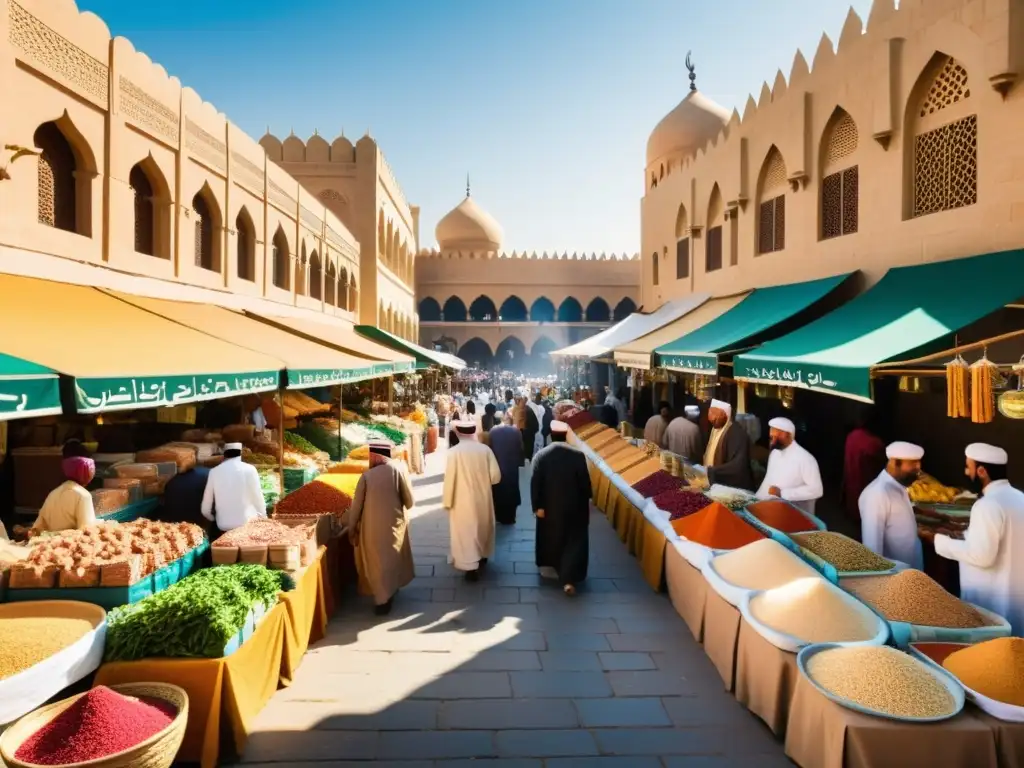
x=280 y=437
x=341 y=420
x=391 y=389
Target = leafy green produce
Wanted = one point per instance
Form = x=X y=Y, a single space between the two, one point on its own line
x=299 y=443
x=324 y=441
x=396 y=436
x=196 y=617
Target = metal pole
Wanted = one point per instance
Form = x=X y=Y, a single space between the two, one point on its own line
x=280 y=437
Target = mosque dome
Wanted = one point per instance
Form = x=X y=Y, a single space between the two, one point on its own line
x=695 y=121
x=468 y=227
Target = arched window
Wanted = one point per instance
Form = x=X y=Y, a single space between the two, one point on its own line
x=624 y=309
x=245 y=246
x=145 y=220
x=840 y=183
x=654 y=268
x=942 y=120
x=477 y=353
x=598 y=311
x=511 y=354
x=380 y=234
x=682 y=244
x=281 y=257
x=454 y=310
x=343 y=289
x=542 y=311
x=512 y=310
x=353 y=293
x=771 y=210
x=206 y=226
x=316 y=276
x=540 y=356
x=300 y=270
x=570 y=311
x=330 y=284
x=430 y=310
x=58 y=195
x=713 y=242
x=483 y=310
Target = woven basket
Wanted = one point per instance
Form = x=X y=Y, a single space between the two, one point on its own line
x=158 y=751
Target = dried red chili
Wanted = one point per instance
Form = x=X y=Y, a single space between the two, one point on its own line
x=100 y=723
x=659 y=482
x=680 y=503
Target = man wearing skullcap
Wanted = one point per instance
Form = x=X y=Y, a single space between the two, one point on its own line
x=654 y=429
x=682 y=436
x=792 y=472
x=469 y=473
x=991 y=554
x=560 y=494
x=727 y=456
x=888 y=524
x=69 y=506
x=233 y=495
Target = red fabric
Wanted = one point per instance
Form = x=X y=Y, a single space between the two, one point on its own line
x=864 y=459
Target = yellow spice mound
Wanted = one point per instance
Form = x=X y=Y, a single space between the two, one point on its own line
x=764 y=564
x=994 y=669
x=24 y=642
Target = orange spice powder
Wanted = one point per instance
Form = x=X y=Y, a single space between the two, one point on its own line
x=717 y=527
x=781 y=516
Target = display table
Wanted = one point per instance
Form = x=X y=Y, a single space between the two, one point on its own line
x=307 y=616
x=601 y=492
x=765 y=678
x=721 y=635
x=1009 y=738
x=687 y=590
x=823 y=734
x=652 y=544
x=130 y=512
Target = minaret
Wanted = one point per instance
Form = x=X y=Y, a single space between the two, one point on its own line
x=693 y=75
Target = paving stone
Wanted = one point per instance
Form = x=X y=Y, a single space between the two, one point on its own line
x=502 y=660
x=708 y=708
x=649 y=683
x=759 y=761
x=629 y=641
x=660 y=741
x=502 y=594
x=557 y=685
x=510 y=714
x=569 y=661
x=577 y=641
x=437 y=745
x=545 y=743
x=467 y=685
x=622 y=712
x=603 y=762
x=625 y=660
x=279 y=746
x=515 y=762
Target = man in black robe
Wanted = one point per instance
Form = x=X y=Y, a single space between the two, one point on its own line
x=560 y=494
x=507 y=446
x=727 y=456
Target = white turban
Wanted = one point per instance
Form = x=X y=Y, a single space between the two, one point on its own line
x=232 y=446
x=692 y=411
x=904 y=451
x=559 y=426
x=983 y=453
x=782 y=424
x=722 y=406
x=465 y=427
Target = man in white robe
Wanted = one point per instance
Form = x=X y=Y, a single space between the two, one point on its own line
x=537 y=407
x=792 y=472
x=888 y=525
x=991 y=554
x=470 y=472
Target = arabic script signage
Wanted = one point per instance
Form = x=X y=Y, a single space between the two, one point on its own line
x=24 y=397
x=325 y=378
x=633 y=360
x=853 y=381
x=96 y=395
x=706 y=364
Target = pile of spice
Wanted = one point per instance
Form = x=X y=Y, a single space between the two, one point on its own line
x=994 y=668
x=883 y=680
x=716 y=527
x=915 y=598
x=580 y=419
x=261 y=531
x=781 y=516
x=656 y=483
x=813 y=611
x=937 y=652
x=100 y=723
x=680 y=502
x=764 y=564
x=322 y=496
x=842 y=552
x=26 y=641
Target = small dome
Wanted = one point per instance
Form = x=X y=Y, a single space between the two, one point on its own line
x=696 y=120
x=468 y=227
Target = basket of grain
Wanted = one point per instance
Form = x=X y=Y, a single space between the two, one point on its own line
x=223 y=555
x=253 y=553
x=97 y=729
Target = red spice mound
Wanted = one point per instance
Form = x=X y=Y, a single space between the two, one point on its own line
x=680 y=503
x=100 y=723
x=717 y=527
x=316 y=498
x=659 y=482
x=781 y=516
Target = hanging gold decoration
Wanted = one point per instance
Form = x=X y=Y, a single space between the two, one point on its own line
x=982 y=399
x=957 y=372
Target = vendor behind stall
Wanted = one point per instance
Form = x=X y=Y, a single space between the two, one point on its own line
x=888 y=524
x=69 y=505
x=991 y=555
x=233 y=495
x=792 y=472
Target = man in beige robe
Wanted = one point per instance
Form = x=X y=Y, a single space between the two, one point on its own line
x=379 y=529
x=469 y=474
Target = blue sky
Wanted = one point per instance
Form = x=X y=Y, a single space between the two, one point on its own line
x=547 y=104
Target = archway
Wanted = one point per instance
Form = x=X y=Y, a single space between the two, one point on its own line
x=454 y=310
x=540 y=356
x=598 y=311
x=511 y=355
x=483 y=310
x=542 y=311
x=513 y=310
x=477 y=353
x=570 y=311
x=624 y=309
x=430 y=310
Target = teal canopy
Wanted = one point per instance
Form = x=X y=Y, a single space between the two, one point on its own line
x=27 y=389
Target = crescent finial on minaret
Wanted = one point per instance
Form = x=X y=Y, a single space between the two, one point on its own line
x=691 y=68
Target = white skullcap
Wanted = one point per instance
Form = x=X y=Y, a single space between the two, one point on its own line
x=722 y=406
x=905 y=451
x=983 y=453
x=559 y=426
x=232 y=446
x=468 y=427
x=782 y=424
x=692 y=410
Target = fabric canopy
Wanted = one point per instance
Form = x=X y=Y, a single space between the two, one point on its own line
x=638 y=353
x=697 y=351
x=121 y=356
x=908 y=308
x=345 y=339
x=27 y=389
x=633 y=327
x=309 y=364
x=422 y=354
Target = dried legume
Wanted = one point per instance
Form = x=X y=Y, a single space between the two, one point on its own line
x=882 y=679
x=26 y=641
x=764 y=564
x=812 y=610
x=913 y=597
x=847 y=555
x=994 y=669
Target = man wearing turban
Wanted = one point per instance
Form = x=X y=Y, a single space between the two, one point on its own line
x=69 y=505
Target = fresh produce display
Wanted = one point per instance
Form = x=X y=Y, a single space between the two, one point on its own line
x=927 y=490
x=303 y=404
x=261 y=531
x=781 y=516
x=716 y=527
x=813 y=611
x=763 y=564
x=100 y=723
x=882 y=679
x=296 y=460
x=994 y=668
x=335 y=446
x=982 y=394
x=299 y=443
x=349 y=466
x=914 y=597
x=957 y=396
x=679 y=502
x=26 y=641
x=847 y=555
x=316 y=498
x=196 y=617
x=259 y=459
x=360 y=453
x=656 y=483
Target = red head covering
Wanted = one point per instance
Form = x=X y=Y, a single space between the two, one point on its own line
x=79 y=468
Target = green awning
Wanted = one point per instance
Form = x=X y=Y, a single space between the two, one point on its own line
x=425 y=357
x=764 y=308
x=27 y=389
x=908 y=308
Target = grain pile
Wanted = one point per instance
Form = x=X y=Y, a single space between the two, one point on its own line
x=24 y=642
x=882 y=679
x=915 y=598
x=812 y=611
x=847 y=555
x=994 y=669
x=765 y=564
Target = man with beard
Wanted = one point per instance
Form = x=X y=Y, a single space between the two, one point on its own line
x=727 y=456
x=991 y=554
x=888 y=525
x=792 y=472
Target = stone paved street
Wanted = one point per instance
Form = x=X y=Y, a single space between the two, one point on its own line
x=509 y=672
